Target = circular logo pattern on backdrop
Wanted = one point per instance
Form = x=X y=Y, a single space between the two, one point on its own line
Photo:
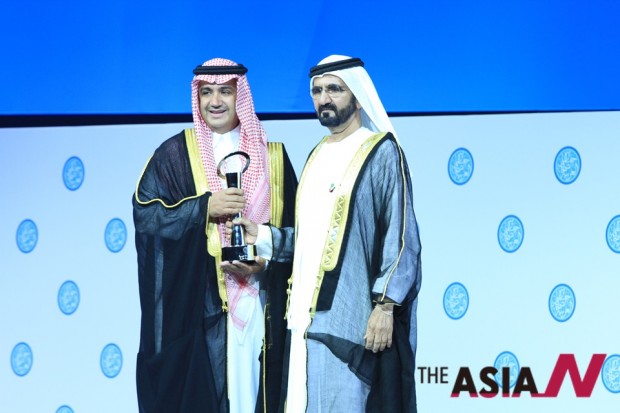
x=613 y=234
x=460 y=166
x=64 y=409
x=21 y=359
x=562 y=302
x=27 y=236
x=73 y=173
x=455 y=300
x=611 y=373
x=506 y=359
x=510 y=233
x=115 y=235
x=111 y=360
x=68 y=297
x=567 y=165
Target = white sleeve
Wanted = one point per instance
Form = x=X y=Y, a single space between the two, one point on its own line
x=264 y=242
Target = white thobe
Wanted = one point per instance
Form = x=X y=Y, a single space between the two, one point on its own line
x=314 y=209
x=243 y=346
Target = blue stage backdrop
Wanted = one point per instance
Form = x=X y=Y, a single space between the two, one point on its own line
x=519 y=214
x=136 y=57
x=519 y=219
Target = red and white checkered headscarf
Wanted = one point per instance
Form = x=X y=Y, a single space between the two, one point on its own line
x=254 y=181
x=252 y=140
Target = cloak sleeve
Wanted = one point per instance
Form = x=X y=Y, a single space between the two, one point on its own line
x=283 y=244
x=283 y=236
x=170 y=221
x=400 y=251
x=165 y=202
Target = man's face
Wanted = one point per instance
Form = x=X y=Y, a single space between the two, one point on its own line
x=333 y=101
x=218 y=105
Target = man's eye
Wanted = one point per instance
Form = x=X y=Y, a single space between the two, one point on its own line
x=333 y=88
x=316 y=90
x=205 y=91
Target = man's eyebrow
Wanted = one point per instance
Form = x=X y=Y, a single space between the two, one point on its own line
x=328 y=85
x=217 y=87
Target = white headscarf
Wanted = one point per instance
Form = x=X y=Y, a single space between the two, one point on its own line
x=358 y=81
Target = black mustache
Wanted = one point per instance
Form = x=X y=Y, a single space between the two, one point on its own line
x=328 y=106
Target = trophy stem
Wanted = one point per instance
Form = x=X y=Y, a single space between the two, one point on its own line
x=237 y=237
x=238 y=250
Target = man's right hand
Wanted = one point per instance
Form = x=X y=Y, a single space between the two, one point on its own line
x=229 y=201
x=251 y=229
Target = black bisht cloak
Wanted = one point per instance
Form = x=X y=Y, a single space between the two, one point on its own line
x=181 y=363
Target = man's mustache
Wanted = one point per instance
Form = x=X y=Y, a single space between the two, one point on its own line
x=328 y=106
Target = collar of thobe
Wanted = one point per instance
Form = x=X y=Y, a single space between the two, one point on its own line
x=362 y=131
x=224 y=144
x=226 y=139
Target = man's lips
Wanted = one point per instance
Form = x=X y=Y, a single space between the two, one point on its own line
x=324 y=110
x=216 y=112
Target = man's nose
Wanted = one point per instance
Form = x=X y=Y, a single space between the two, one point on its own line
x=216 y=99
x=324 y=97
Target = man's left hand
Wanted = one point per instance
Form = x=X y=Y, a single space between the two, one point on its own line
x=244 y=269
x=380 y=327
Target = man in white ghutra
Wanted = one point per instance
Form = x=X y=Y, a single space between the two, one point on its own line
x=356 y=268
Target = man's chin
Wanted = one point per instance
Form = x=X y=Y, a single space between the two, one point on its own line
x=328 y=120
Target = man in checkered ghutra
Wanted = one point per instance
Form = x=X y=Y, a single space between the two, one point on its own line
x=212 y=333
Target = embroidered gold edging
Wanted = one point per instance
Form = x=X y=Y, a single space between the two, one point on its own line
x=276 y=175
x=266 y=315
x=402 y=234
x=333 y=243
x=306 y=348
x=276 y=180
x=228 y=384
x=161 y=201
x=300 y=185
x=214 y=245
x=340 y=214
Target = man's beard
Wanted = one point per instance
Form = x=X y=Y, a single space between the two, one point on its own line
x=340 y=116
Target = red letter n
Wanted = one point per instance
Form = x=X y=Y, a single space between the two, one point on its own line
x=567 y=363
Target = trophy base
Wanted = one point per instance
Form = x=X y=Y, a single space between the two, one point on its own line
x=243 y=253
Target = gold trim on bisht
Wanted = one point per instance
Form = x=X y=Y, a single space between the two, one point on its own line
x=276 y=178
x=214 y=244
x=335 y=235
x=340 y=213
x=404 y=224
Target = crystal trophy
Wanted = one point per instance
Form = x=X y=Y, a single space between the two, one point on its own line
x=238 y=250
